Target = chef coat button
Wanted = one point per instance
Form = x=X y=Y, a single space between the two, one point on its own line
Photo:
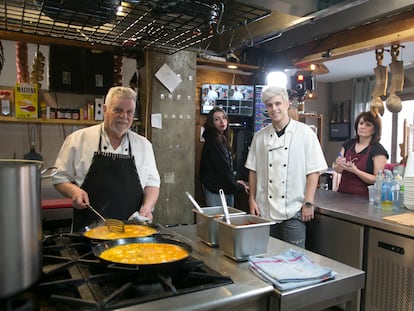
x=270 y=164
x=283 y=196
x=270 y=196
x=283 y=182
x=285 y=148
x=105 y=147
x=126 y=149
x=284 y=165
x=270 y=181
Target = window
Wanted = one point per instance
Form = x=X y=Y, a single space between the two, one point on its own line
x=407 y=113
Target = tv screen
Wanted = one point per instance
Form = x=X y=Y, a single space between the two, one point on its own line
x=339 y=131
x=241 y=92
x=210 y=93
x=234 y=99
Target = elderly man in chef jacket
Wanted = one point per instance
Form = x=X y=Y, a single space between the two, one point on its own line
x=284 y=161
x=109 y=166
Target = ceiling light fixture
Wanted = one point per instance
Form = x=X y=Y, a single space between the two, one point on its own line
x=232 y=66
x=311 y=95
x=315 y=69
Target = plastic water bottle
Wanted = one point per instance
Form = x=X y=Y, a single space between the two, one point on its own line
x=397 y=191
x=378 y=189
x=386 y=193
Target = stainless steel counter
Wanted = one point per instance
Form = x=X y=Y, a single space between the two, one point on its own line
x=248 y=292
x=358 y=210
x=351 y=230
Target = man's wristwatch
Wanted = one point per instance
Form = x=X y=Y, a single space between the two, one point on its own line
x=308 y=204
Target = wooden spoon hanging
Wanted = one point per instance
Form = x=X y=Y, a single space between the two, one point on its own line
x=393 y=102
x=380 y=89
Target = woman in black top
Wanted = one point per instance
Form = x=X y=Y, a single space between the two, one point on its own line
x=216 y=167
x=361 y=157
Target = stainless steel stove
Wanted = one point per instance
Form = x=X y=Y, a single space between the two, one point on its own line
x=74 y=279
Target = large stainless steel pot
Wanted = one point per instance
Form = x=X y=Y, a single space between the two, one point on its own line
x=20 y=227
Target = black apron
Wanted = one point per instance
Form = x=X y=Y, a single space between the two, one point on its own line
x=113 y=187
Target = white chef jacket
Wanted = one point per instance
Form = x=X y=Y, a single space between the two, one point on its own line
x=77 y=151
x=281 y=165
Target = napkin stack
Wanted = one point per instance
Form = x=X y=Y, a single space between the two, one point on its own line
x=408 y=181
x=289 y=270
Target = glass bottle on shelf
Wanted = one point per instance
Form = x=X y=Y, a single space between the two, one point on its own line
x=5 y=103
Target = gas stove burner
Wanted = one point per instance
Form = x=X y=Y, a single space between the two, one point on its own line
x=73 y=278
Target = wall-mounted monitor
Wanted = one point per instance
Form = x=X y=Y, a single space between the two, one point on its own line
x=211 y=92
x=339 y=131
x=234 y=99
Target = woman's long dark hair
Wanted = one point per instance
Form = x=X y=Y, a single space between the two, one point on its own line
x=210 y=128
x=367 y=116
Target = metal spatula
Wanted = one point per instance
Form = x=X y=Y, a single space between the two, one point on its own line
x=225 y=208
x=114 y=225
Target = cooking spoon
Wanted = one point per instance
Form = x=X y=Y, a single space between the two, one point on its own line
x=114 y=225
x=225 y=208
x=190 y=197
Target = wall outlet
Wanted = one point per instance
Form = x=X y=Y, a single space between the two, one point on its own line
x=99 y=102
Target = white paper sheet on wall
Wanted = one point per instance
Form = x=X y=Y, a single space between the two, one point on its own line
x=156 y=120
x=168 y=77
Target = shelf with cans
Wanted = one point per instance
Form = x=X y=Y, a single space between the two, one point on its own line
x=49 y=115
x=19 y=107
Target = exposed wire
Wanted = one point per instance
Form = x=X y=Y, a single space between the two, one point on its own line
x=218 y=30
x=231 y=42
x=250 y=42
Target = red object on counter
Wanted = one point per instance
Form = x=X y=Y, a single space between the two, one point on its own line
x=56 y=203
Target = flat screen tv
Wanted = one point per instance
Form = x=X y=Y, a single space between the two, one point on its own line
x=339 y=131
x=234 y=99
x=210 y=93
x=241 y=92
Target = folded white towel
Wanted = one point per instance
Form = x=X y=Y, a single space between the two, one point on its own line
x=289 y=270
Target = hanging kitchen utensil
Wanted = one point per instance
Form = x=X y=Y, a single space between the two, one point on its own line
x=32 y=154
x=225 y=208
x=196 y=205
x=393 y=102
x=380 y=89
x=114 y=225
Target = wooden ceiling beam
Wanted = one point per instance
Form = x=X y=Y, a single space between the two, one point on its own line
x=381 y=33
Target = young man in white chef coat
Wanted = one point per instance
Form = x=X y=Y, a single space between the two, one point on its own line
x=284 y=161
